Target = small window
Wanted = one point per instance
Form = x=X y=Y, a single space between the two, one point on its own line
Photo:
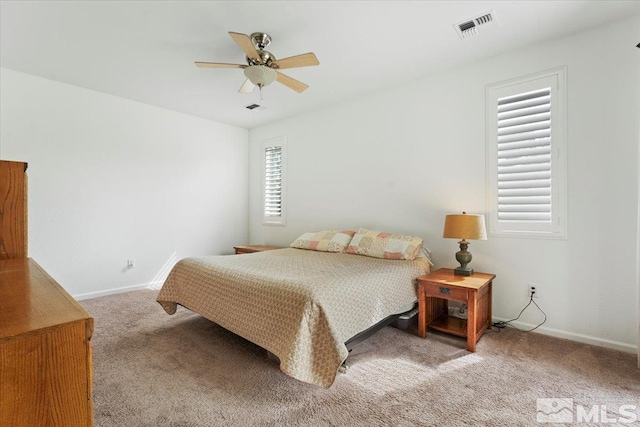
x=273 y=181
x=526 y=156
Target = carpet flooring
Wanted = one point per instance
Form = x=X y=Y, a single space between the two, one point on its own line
x=152 y=369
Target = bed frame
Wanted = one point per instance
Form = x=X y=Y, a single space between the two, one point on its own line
x=402 y=321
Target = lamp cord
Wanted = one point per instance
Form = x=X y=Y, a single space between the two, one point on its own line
x=505 y=323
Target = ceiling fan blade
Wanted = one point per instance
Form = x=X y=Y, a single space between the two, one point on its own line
x=304 y=60
x=247 y=87
x=291 y=83
x=245 y=43
x=218 y=65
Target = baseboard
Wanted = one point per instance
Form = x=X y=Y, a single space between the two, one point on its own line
x=586 y=339
x=89 y=295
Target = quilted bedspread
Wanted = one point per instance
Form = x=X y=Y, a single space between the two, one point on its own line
x=300 y=305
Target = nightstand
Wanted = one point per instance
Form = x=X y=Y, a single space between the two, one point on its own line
x=248 y=249
x=437 y=288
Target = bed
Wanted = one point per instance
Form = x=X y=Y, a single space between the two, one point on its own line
x=300 y=305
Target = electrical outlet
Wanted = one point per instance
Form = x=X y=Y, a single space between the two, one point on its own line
x=533 y=289
x=131 y=263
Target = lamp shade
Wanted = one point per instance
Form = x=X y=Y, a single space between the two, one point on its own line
x=465 y=226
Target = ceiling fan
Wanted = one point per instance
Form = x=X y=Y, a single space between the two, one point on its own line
x=262 y=68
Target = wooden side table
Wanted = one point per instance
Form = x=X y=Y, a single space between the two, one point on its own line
x=248 y=249
x=437 y=288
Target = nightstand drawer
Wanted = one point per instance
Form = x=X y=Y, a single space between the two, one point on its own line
x=446 y=292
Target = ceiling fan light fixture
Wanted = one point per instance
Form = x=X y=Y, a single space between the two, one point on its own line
x=260 y=75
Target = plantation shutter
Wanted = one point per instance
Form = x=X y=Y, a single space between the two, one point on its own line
x=273 y=182
x=524 y=157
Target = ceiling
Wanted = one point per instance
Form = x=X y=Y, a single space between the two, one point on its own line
x=144 y=51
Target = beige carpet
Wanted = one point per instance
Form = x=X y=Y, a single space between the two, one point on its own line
x=152 y=369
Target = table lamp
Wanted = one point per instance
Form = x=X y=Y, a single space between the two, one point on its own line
x=465 y=226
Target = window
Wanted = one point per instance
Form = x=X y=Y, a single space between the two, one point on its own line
x=273 y=181
x=526 y=156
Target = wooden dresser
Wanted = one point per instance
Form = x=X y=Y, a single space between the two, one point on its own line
x=45 y=353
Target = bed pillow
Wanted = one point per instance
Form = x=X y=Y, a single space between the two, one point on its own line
x=384 y=245
x=324 y=241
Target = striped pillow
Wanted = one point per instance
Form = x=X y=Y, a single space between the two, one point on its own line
x=324 y=241
x=377 y=244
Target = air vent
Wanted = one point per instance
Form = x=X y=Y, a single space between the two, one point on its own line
x=252 y=106
x=471 y=27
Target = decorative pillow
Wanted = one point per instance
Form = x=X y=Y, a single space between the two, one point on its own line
x=384 y=245
x=324 y=241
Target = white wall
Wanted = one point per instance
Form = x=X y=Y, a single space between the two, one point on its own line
x=400 y=160
x=112 y=179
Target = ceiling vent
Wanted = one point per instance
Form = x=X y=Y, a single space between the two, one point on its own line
x=252 y=106
x=471 y=27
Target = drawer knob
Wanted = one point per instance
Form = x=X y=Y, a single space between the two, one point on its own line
x=445 y=291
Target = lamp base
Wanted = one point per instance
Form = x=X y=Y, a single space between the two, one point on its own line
x=463 y=271
x=463 y=257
